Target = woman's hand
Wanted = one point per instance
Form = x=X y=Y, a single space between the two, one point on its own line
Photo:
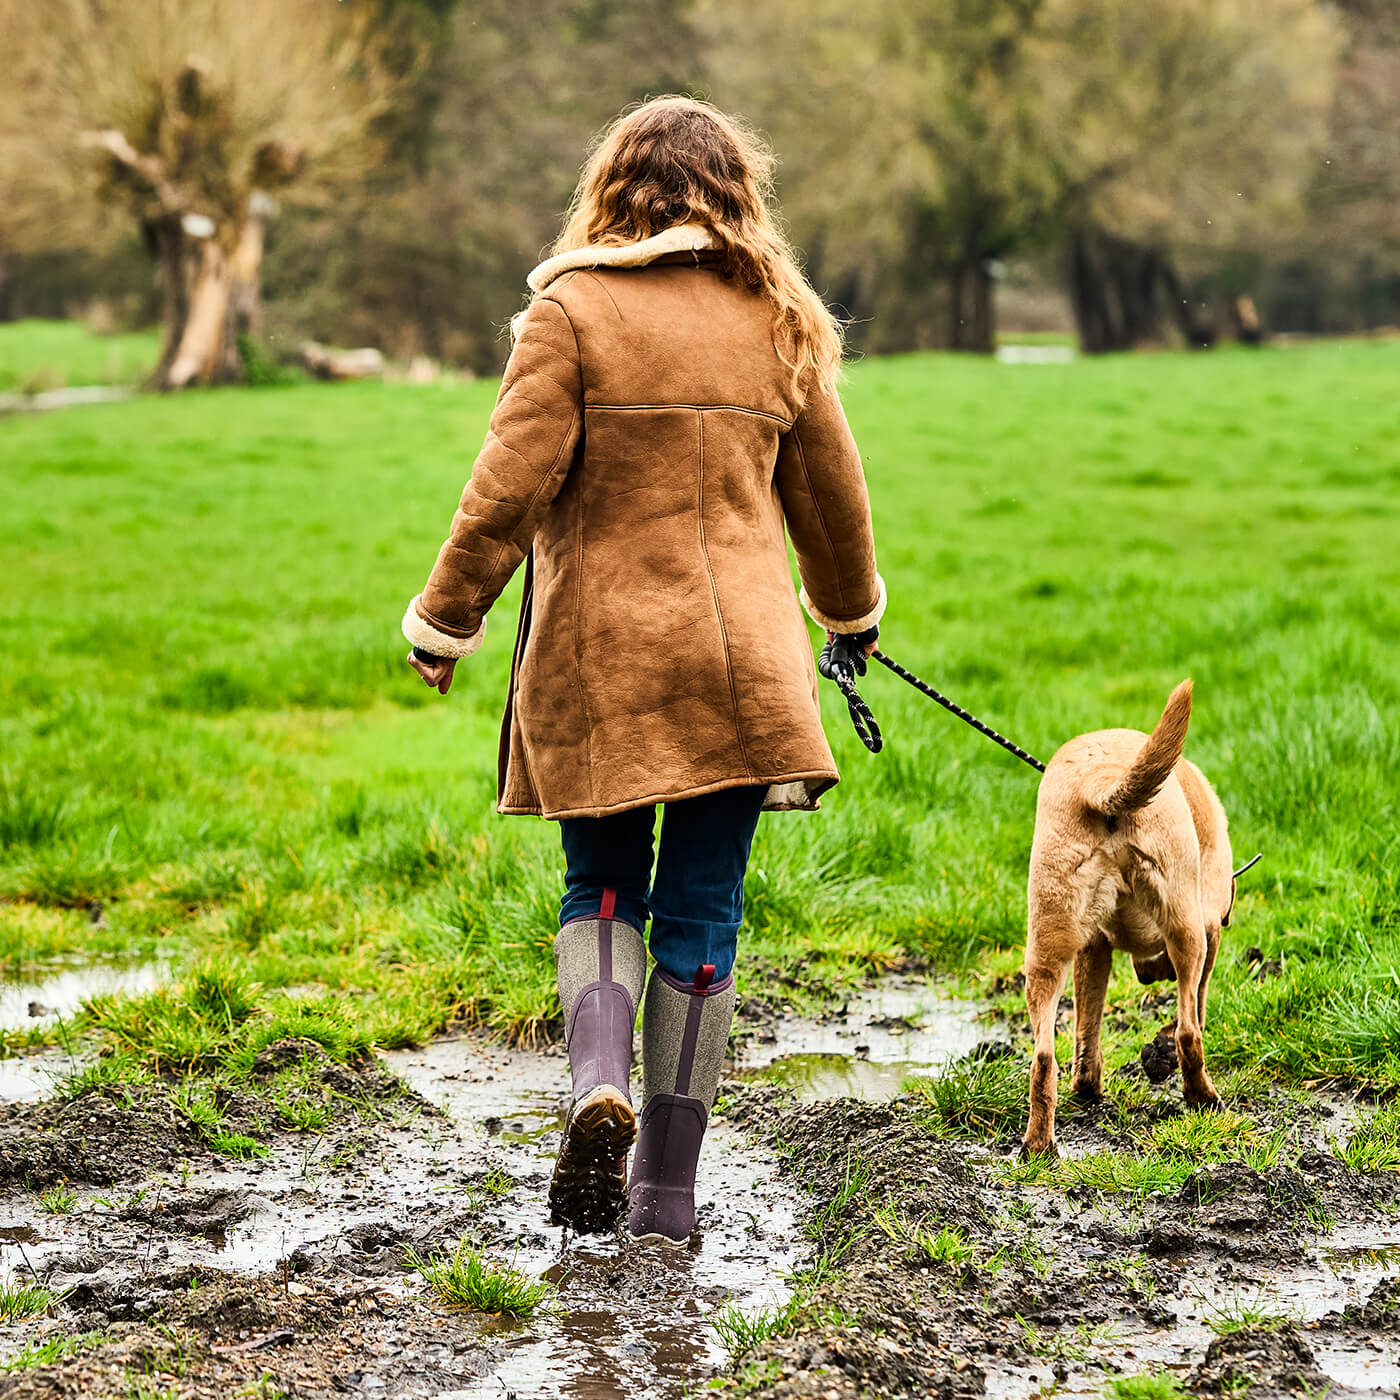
x=437 y=674
x=869 y=646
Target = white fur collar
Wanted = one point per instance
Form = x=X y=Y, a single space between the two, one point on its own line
x=680 y=238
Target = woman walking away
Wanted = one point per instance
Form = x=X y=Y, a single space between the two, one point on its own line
x=668 y=406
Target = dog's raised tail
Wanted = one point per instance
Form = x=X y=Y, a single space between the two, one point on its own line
x=1154 y=762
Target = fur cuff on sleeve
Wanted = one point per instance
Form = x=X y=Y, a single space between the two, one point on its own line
x=424 y=634
x=848 y=624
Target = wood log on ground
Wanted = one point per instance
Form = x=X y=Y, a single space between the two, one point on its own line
x=327 y=363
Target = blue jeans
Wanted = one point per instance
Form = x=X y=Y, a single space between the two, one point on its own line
x=696 y=898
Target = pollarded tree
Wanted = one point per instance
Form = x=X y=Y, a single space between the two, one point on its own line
x=1176 y=125
x=193 y=116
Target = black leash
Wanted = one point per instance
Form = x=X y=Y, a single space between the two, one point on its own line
x=953 y=708
x=841 y=660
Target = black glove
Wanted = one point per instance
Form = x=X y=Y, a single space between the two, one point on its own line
x=843 y=657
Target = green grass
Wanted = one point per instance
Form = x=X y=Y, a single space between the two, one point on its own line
x=49 y=1351
x=206 y=722
x=467 y=1279
x=1144 y=1387
x=1258 y=1313
x=58 y=1200
x=947 y=1245
x=39 y=355
x=1375 y=1145
x=20 y=1300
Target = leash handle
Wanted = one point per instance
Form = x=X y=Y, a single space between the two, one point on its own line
x=867 y=730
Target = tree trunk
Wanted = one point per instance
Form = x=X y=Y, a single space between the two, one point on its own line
x=1114 y=286
x=971 y=308
x=210 y=297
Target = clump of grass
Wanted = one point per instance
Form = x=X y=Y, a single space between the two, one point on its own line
x=741 y=1331
x=239 y=1146
x=467 y=1279
x=1375 y=1145
x=825 y=1225
x=21 y=1300
x=47 y=1352
x=1196 y=1132
x=975 y=1098
x=491 y=1185
x=1145 y=1387
x=1111 y=1172
x=58 y=1199
x=947 y=1245
x=1237 y=1313
x=1074 y=1344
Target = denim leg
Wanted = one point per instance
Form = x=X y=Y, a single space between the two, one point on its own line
x=697 y=896
x=611 y=852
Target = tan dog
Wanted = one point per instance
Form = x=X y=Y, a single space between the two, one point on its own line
x=1131 y=852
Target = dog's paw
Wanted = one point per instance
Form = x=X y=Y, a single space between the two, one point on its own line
x=1087 y=1090
x=1049 y=1149
x=1206 y=1102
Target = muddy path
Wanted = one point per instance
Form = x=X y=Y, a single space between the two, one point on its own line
x=902 y=1260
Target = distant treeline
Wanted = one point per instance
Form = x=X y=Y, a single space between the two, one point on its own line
x=1152 y=162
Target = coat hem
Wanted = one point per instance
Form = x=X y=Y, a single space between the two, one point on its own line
x=815 y=782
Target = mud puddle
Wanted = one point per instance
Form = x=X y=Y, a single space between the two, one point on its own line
x=632 y=1321
x=28 y=1077
x=42 y=995
x=322 y=1224
x=868 y=1047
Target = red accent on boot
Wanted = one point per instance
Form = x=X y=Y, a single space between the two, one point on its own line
x=704 y=975
x=605 y=910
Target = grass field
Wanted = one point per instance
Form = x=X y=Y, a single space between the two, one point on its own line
x=207 y=724
x=39 y=355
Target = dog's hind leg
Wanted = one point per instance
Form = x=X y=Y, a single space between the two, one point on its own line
x=1212 y=949
x=1043 y=985
x=1092 y=965
x=1187 y=946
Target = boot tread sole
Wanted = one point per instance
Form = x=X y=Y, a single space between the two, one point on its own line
x=588 y=1190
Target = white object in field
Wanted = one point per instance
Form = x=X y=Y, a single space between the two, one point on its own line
x=326 y=363
x=1035 y=354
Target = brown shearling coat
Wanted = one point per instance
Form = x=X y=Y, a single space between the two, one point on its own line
x=646 y=450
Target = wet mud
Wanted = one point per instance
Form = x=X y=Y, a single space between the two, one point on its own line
x=1041 y=1290
x=908 y=1264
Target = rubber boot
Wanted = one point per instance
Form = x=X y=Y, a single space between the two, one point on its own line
x=600 y=964
x=685 y=1029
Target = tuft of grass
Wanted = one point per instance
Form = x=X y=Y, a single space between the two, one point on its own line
x=467 y=1279
x=20 y=1300
x=49 y=1351
x=741 y=1331
x=491 y=1185
x=1067 y=1344
x=1159 y=1386
x=239 y=1146
x=1375 y=1145
x=947 y=1245
x=58 y=1199
x=1237 y=1313
x=982 y=1100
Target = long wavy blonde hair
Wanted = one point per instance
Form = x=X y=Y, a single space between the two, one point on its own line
x=677 y=160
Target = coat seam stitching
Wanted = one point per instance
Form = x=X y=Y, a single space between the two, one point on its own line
x=544 y=480
x=696 y=407
x=529 y=505
x=714 y=593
